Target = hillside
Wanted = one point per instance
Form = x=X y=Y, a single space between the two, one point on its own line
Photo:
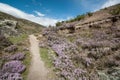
x=21 y=25
x=87 y=48
x=91 y=17
x=14 y=46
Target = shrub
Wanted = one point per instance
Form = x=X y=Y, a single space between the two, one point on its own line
x=17 y=56
x=11 y=48
x=14 y=67
x=9 y=24
x=63 y=62
x=77 y=18
x=58 y=23
x=11 y=76
x=115 y=11
x=80 y=17
x=93 y=54
x=4 y=42
x=89 y=14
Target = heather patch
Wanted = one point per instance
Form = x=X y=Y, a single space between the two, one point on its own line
x=83 y=57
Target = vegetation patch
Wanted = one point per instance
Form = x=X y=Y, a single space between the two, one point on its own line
x=89 y=14
x=115 y=11
x=26 y=61
x=22 y=45
x=18 y=39
x=58 y=23
x=77 y=18
x=46 y=55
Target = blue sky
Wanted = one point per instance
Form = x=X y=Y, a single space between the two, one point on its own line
x=48 y=12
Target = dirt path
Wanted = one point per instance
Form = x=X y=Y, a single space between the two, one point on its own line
x=37 y=69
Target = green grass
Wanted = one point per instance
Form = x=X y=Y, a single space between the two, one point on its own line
x=26 y=61
x=46 y=55
x=18 y=39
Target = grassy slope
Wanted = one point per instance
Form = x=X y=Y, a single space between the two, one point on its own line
x=98 y=15
x=23 y=43
x=23 y=26
x=104 y=59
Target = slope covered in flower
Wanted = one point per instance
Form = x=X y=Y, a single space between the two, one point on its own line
x=89 y=51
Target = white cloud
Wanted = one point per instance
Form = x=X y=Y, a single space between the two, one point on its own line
x=20 y=14
x=69 y=17
x=108 y=3
x=39 y=13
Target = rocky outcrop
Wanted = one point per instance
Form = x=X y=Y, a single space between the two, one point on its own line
x=8 y=27
x=22 y=25
x=77 y=26
x=106 y=22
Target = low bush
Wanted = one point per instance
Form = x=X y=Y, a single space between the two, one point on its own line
x=89 y=14
x=58 y=23
x=13 y=67
x=115 y=11
x=11 y=48
x=4 y=42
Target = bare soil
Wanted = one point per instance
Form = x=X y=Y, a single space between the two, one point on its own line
x=37 y=69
